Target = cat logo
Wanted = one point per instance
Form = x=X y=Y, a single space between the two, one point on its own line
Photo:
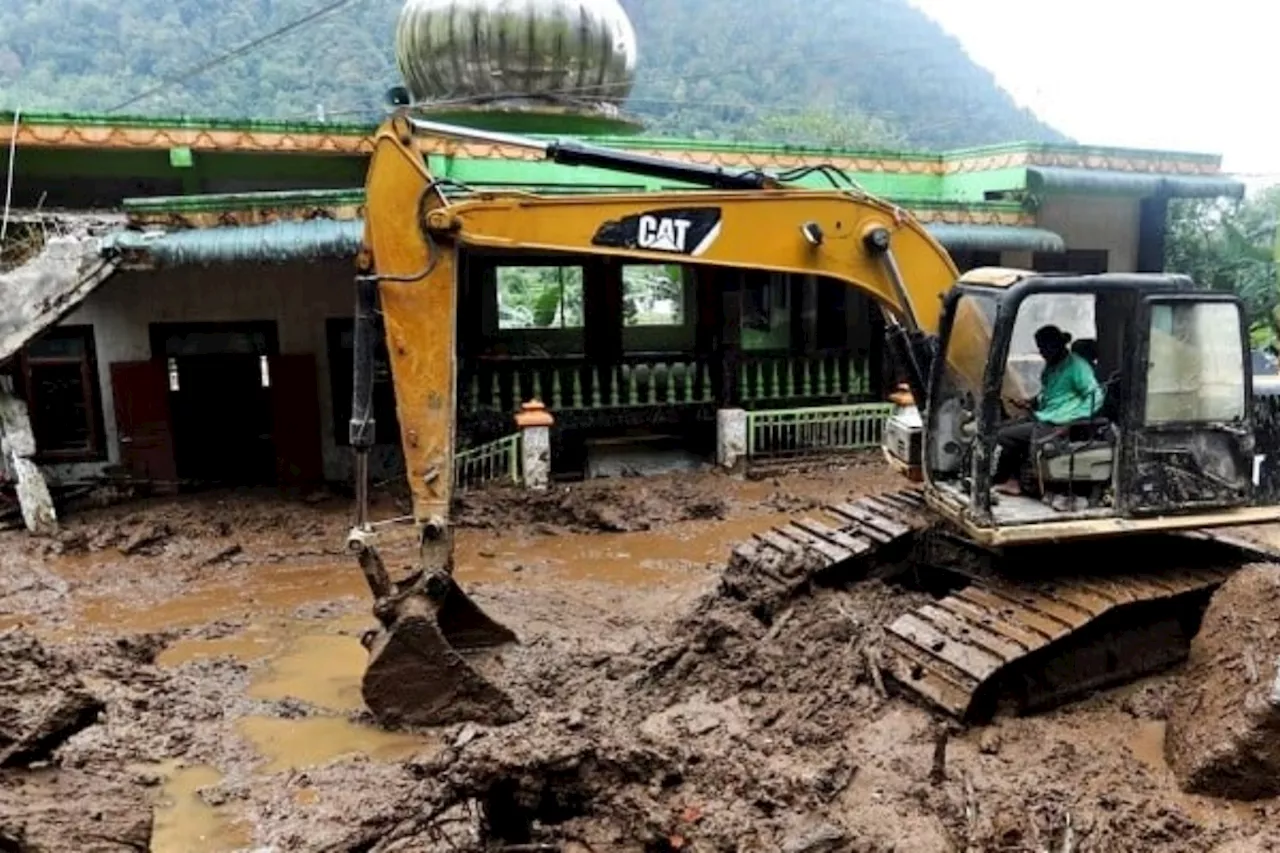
x=688 y=231
x=663 y=235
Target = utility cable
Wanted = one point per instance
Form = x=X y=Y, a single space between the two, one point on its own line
x=8 y=193
x=234 y=53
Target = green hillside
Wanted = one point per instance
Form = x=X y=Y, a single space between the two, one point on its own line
x=860 y=73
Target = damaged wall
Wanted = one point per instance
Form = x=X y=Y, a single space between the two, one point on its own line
x=33 y=296
x=299 y=298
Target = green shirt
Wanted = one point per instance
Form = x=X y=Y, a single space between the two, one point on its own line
x=1068 y=391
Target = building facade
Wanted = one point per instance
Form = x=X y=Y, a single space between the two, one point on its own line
x=219 y=347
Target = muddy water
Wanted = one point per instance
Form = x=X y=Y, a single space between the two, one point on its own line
x=1147 y=745
x=320 y=661
x=184 y=823
x=313 y=741
x=321 y=669
x=265 y=589
x=624 y=559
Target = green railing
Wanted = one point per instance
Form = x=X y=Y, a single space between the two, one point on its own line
x=796 y=432
x=796 y=377
x=568 y=385
x=491 y=462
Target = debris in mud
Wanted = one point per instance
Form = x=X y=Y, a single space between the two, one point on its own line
x=728 y=733
x=146 y=539
x=42 y=700
x=58 y=810
x=1224 y=729
x=590 y=507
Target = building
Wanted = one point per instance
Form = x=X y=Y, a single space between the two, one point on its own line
x=216 y=347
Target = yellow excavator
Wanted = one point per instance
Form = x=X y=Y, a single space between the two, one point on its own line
x=1095 y=573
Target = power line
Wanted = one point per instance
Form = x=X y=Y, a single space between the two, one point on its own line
x=234 y=53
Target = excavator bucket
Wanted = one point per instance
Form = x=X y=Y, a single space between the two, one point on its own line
x=428 y=662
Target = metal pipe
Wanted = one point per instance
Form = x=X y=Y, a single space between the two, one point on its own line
x=894 y=272
x=573 y=153
x=361 y=429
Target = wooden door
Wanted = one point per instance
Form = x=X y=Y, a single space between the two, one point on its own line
x=295 y=406
x=141 y=391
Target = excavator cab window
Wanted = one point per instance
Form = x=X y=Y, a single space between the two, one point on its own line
x=958 y=391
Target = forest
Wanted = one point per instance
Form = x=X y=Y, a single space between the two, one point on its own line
x=846 y=73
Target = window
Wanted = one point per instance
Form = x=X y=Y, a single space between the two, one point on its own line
x=959 y=392
x=1080 y=261
x=1074 y=313
x=1195 y=364
x=973 y=259
x=539 y=297
x=653 y=295
x=341 y=345
x=766 y=312
x=60 y=379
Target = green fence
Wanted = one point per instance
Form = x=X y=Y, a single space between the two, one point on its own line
x=796 y=432
x=568 y=386
x=795 y=377
x=492 y=462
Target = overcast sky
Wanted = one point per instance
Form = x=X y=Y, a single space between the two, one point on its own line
x=1169 y=74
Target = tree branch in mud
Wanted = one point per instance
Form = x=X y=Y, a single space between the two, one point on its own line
x=938 y=773
x=872 y=658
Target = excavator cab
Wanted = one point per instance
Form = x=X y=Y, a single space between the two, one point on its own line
x=1171 y=438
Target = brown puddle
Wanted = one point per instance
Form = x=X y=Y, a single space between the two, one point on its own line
x=321 y=669
x=313 y=741
x=267 y=589
x=184 y=823
x=249 y=646
x=626 y=559
x=1147 y=746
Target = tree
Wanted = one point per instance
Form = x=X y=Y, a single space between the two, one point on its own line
x=826 y=128
x=1232 y=247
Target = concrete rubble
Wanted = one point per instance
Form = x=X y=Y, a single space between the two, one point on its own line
x=33 y=297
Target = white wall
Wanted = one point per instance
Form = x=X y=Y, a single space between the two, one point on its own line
x=1096 y=222
x=298 y=297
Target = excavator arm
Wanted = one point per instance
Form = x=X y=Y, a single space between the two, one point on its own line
x=413 y=232
x=414 y=229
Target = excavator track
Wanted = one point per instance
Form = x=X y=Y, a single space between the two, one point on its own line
x=1000 y=640
x=959 y=651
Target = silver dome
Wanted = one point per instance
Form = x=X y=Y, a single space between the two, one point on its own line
x=564 y=50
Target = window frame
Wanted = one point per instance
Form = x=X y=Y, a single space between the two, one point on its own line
x=91 y=390
x=563 y=327
x=682 y=319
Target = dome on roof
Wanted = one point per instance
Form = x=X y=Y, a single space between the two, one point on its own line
x=566 y=52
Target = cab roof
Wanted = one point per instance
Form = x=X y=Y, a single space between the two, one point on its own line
x=995 y=276
x=1006 y=277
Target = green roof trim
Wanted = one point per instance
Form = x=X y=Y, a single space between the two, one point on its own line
x=1078 y=150
x=276 y=242
x=617 y=141
x=243 y=201
x=190 y=123
x=1042 y=179
x=996 y=238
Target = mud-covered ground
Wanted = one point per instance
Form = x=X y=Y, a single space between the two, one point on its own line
x=196 y=664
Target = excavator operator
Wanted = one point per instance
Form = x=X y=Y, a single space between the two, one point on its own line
x=1069 y=391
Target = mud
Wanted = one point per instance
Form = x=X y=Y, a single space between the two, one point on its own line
x=668 y=701
x=1224 y=729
